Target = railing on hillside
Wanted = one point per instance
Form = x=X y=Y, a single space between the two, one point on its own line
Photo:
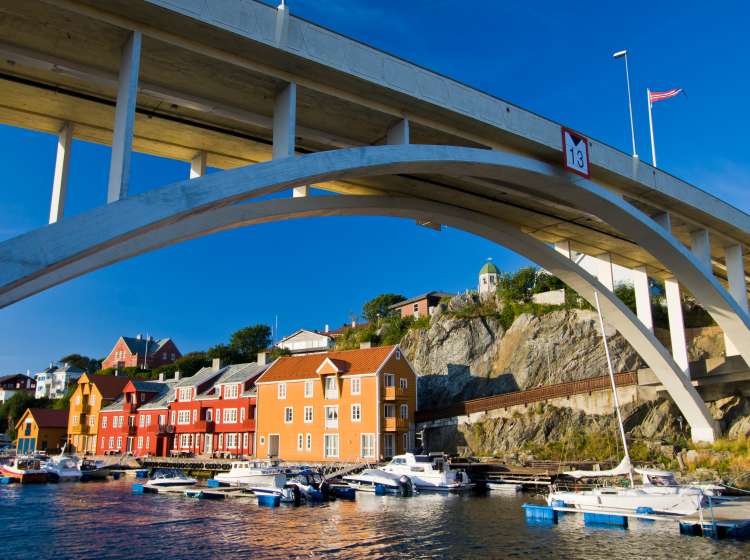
x=538 y=394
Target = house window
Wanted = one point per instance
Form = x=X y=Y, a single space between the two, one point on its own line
x=367 y=446
x=404 y=411
x=217 y=416
x=148 y=420
x=242 y=415
x=308 y=441
x=92 y=400
x=230 y=416
x=195 y=415
x=309 y=389
x=356 y=413
x=162 y=419
x=406 y=442
x=104 y=442
x=184 y=394
x=75 y=419
x=140 y=442
x=186 y=440
x=174 y=415
x=308 y=414
x=281 y=391
x=111 y=442
x=331 y=387
x=231 y=441
x=402 y=382
x=131 y=421
x=92 y=420
x=244 y=440
x=104 y=422
x=209 y=415
x=183 y=417
x=288 y=415
x=390 y=410
x=300 y=442
x=142 y=420
x=390 y=380
x=356 y=386
x=231 y=391
x=119 y=442
x=332 y=417
x=331 y=445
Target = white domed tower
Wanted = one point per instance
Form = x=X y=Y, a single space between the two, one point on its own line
x=489 y=276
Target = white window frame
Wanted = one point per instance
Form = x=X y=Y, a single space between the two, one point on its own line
x=389 y=406
x=231 y=441
x=281 y=391
x=183 y=417
x=142 y=420
x=184 y=394
x=230 y=416
x=403 y=383
x=104 y=421
x=288 y=414
x=355 y=386
x=92 y=420
x=358 y=416
x=111 y=442
x=119 y=442
x=140 y=442
x=308 y=417
x=403 y=415
x=328 y=453
x=308 y=441
x=300 y=442
x=332 y=425
x=389 y=380
x=367 y=451
x=309 y=389
x=231 y=391
x=334 y=390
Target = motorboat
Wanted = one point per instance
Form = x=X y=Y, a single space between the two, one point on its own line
x=94 y=470
x=164 y=478
x=429 y=472
x=659 y=491
x=252 y=475
x=310 y=484
x=65 y=467
x=374 y=480
x=26 y=470
x=503 y=487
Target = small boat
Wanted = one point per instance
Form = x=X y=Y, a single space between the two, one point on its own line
x=94 y=470
x=504 y=487
x=204 y=494
x=26 y=470
x=65 y=467
x=163 y=478
x=250 y=474
x=311 y=485
x=369 y=480
x=429 y=473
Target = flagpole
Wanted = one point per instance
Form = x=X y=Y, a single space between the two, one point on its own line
x=651 y=126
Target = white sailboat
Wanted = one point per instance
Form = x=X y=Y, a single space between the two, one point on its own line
x=645 y=497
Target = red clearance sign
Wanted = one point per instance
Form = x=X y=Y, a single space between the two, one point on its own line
x=575 y=152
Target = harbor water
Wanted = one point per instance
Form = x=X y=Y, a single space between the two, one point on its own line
x=106 y=521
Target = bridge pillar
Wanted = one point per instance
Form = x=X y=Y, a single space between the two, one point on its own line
x=700 y=245
x=604 y=272
x=60 y=181
x=733 y=256
x=122 y=136
x=674 y=309
x=198 y=165
x=284 y=128
x=642 y=296
x=399 y=133
x=563 y=247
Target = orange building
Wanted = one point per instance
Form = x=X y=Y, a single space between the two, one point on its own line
x=339 y=406
x=92 y=393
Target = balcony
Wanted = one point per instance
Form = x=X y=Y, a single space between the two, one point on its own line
x=204 y=426
x=79 y=429
x=393 y=393
x=156 y=429
x=396 y=424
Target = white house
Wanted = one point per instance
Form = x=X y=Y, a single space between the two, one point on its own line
x=53 y=382
x=304 y=342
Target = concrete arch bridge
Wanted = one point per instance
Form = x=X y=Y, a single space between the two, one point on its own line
x=278 y=105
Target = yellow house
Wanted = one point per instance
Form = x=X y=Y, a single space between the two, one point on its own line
x=41 y=429
x=338 y=406
x=92 y=394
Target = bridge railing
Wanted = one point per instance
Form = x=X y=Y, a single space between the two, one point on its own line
x=529 y=396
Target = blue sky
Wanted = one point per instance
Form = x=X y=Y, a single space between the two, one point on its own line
x=549 y=57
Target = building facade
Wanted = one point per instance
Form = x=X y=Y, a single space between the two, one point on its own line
x=337 y=406
x=141 y=352
x=422 y=305
x=304 y=341
x=41 y=429
x=16 y=383
x=93 y=392
x=489 y=279
x=53 y=382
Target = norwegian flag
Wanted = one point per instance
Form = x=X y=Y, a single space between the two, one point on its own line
x=654 y=96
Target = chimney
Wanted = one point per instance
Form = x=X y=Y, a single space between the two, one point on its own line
x=161 y=376
x=177 y=375
x=365 y=345
x=216 y=364
x=326 y=329
x=262 y=358
x=139 y=336
x=354 y=323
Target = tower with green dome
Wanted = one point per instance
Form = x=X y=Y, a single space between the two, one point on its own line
x=489 y=276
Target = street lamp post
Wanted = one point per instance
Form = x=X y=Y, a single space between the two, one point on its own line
x=624 y=54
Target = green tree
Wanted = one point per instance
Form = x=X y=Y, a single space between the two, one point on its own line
x=517 y=286
x=190 y=363
x=379 y=307
x=85 y=363
x=249 y=341
x=277 y=352
x=64 y=402
x=626 y=293
x=12 y=410
x=226 y=354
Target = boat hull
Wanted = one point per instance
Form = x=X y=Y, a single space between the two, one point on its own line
x=26 y=477
x=629 y=501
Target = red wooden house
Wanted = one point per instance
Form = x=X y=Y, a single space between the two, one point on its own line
x=140 y=352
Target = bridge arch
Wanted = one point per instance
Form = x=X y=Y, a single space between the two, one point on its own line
x=53 y=254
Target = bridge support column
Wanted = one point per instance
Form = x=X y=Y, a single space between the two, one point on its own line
x=122 y=137
x=700 y=245
x=399 y=133
x=284 y=128
x=674 y=309
x=642 y=297
x=604 y=272
x=733 y=256
x=198 y=165
x=60 y=181
x=563 y=247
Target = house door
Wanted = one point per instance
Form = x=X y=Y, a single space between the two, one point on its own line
x=273 y=445
x=208 y=443
x=130 y=445
x=389 y=445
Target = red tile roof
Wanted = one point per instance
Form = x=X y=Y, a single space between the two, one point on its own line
x=290 y=368
x=110 y=386
x=49 y=418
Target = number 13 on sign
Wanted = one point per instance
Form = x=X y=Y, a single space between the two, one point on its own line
x=575 y=152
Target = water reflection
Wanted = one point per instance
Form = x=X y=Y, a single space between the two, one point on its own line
x=105 y=521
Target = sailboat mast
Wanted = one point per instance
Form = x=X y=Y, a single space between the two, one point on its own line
x=614 y=387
